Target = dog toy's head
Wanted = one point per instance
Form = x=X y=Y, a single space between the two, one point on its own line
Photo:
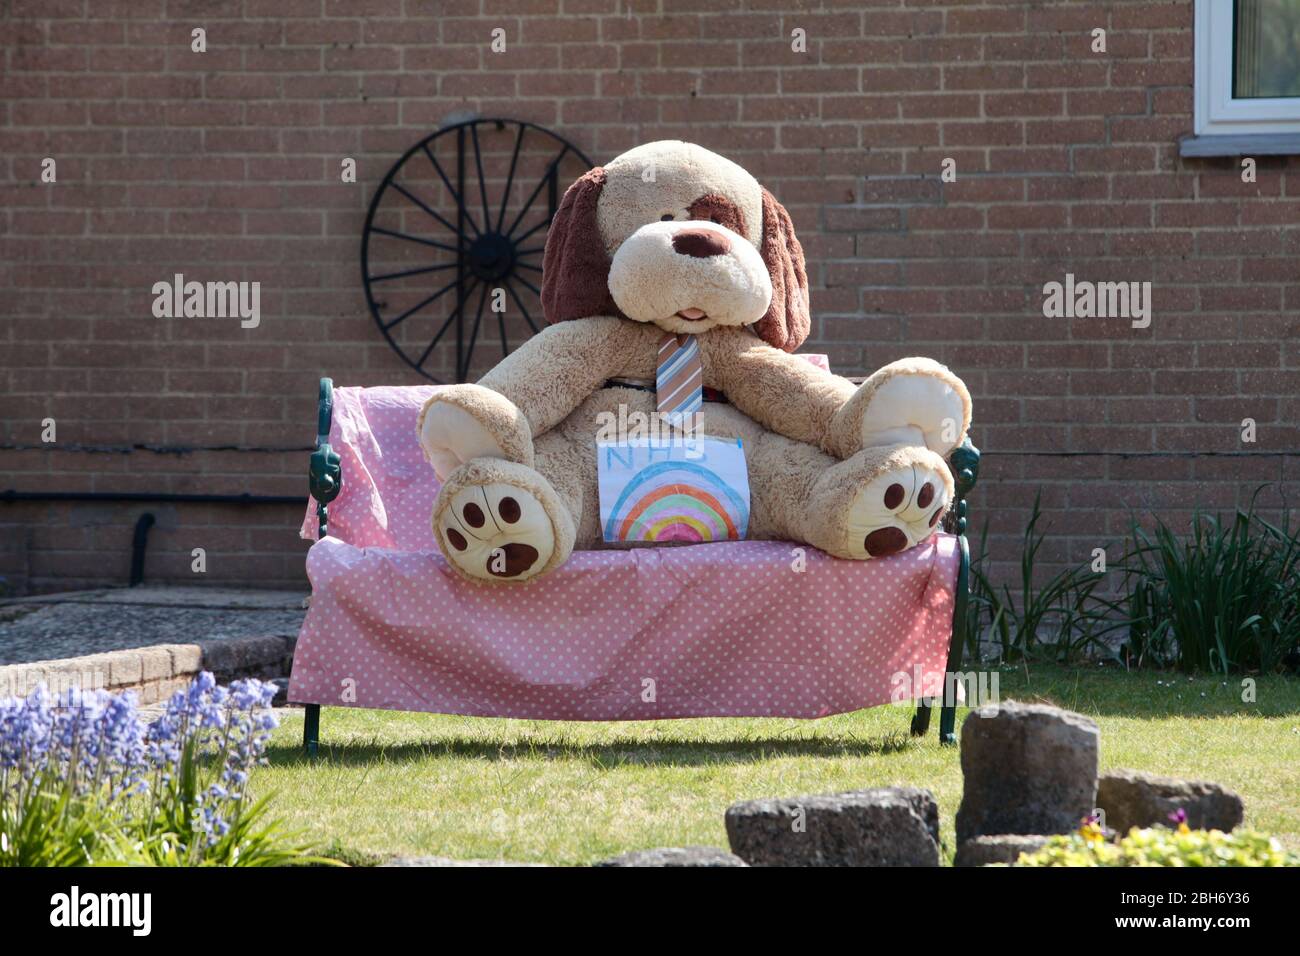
x=673 y=234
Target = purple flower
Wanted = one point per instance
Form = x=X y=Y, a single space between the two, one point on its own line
x=98 y=745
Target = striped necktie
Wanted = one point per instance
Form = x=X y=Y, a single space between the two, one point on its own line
x=679 y=379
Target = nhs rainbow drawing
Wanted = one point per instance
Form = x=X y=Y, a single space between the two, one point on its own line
x=683 y=493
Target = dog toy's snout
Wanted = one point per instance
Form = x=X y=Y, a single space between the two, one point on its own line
x=701 y=243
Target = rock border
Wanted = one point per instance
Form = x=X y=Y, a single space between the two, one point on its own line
x=156 y=671
x=882 y=826
x=675 y=856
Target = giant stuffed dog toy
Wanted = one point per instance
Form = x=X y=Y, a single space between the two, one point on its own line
x=671 y=243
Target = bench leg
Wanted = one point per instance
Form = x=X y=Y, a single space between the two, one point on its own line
x=311 y=729
x=948 y=712
x=947 y=724
x=921 y=719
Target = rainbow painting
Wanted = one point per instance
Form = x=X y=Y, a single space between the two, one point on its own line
x=684 y=492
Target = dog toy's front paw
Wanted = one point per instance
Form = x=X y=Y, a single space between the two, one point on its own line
x=898 y=509
x=879 y=502
x=498 y=521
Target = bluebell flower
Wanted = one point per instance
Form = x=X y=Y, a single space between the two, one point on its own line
x=99 y=745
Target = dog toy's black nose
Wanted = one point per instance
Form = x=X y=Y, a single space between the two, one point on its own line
x=700 y=243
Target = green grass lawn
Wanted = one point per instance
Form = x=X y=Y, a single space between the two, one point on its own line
x=571 y=793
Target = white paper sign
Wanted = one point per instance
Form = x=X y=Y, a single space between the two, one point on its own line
x=691 y=491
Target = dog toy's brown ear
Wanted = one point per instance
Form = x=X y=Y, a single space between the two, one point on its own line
x=575 y=267
x=788 y=320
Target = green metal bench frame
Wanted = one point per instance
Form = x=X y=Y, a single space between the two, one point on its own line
x=325 y=478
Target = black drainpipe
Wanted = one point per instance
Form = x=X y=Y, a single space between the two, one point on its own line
x=138 y=542
x=140 y=538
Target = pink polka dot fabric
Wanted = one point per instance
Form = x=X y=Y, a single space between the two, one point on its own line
x=749 y=628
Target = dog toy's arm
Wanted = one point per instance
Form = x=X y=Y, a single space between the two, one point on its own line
x=784 y=393
x=528 y=393
x=552 y=373
x=913 y=401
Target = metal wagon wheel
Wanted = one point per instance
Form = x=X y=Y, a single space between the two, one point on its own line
x=431 y=276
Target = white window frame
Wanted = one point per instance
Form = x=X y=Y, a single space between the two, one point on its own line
x=1217 y=113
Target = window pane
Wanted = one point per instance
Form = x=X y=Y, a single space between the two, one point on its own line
x=1266 y=49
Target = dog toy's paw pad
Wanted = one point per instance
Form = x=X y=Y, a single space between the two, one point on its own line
x=897 y=510
x=495 y=531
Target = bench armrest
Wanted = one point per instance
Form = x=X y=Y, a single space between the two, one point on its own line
x=324 y=475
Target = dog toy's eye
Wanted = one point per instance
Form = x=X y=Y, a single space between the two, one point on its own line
x=666 y=217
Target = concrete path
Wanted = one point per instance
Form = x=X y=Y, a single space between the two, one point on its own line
x=79 y=623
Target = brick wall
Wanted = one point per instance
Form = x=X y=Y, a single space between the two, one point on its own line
x=225 y=166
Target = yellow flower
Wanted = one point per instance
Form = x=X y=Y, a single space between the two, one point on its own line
x=1092 y=833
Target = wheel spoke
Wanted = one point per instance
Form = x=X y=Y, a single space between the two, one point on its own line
x=524 y=282
x=419 y=202
x=501 y=324
x=528 y=265
x=550 y=171
x=463 y=372
x=482 y=185
x=541 y=225
x=510 y=177
x=450 y=188
x=515 y=295
x=529 y=252
x=454 y=312
x=410 y=238
x=416 y=308
x=410 y=272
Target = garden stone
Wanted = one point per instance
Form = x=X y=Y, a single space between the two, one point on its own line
x=1027 y=768
x=1003 y=848
x=1134 y=799
x=676 y=856
x=889 y=826
x=448 y=861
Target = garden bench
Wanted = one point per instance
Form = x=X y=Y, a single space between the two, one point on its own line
x=730 y=629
